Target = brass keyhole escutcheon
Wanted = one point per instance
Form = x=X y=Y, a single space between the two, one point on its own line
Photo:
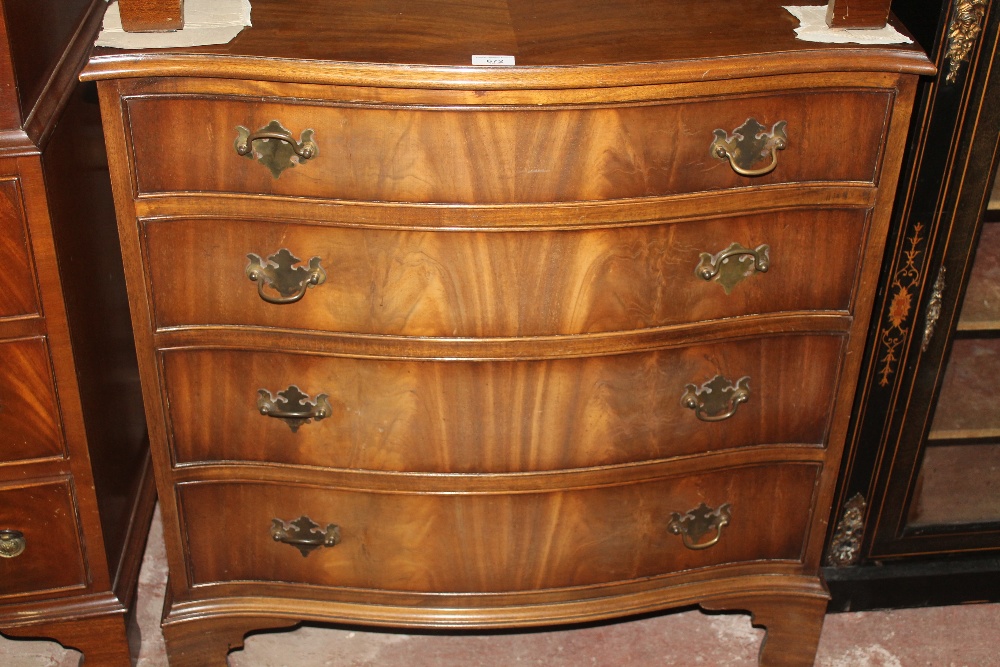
x=694 y=525
x=749 y=145
x=733 y=265
x=717 y=399
x=293 y=406
x=279 y=280
x=274 y=147
x=305 y=534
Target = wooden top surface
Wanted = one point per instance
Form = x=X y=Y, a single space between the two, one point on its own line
x=556 y=43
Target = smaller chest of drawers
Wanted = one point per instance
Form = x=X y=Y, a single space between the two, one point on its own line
x=76 y=490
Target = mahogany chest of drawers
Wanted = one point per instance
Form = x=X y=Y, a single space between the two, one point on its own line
x=76 y=491
x=430 y=344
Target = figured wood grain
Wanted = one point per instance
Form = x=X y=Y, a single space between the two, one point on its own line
x=503 y=155
x=19 y=295
x=52 y=561
x=493 y=543
x=30 y=425
x=443 y=416
x=428 y=283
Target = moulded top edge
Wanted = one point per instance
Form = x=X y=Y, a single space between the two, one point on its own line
x=118 y=65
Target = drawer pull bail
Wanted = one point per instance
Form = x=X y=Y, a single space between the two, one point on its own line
x=717 y=399
x=749 y=145
x=697 y=523
x=733 y=265
x=305 y=534
x=12 y=543
x=292 y=406
x=279 y=274
x=275 y=148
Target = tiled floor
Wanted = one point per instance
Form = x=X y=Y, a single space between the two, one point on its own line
x=937 y=637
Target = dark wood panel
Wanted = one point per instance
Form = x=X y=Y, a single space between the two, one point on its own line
x=38 y=35
x=494 y=543
x=426 y=283
x=19 y=293
x=30 y=425
x=45 y=513
x=82 y=218
x=503 y=155
x=451 y=416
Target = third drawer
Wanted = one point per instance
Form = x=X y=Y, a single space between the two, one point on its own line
x=499 y=416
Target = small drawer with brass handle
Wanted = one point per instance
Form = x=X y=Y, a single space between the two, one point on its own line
x=293 y=407
x=305 y=534
x=12 y=543
x=274 y=147
x=717 y=399
x=749 y=145
x=40 y=545
x=702 y=521
x=279 y=280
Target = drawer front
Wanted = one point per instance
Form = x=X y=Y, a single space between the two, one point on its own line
x=477 y=155
x=513 y=283
x=495 y=542
x=40 y=549
x=30 y=427
x=19 y=295
x=506 y=416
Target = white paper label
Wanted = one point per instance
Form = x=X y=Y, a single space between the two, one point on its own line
x=493 y=61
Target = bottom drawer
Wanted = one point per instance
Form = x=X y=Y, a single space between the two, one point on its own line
x=503 y=542
x=40 y=548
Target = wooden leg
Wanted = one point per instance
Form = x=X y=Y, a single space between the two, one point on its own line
x=206 y=642
x=103 y=640
x=793 y=624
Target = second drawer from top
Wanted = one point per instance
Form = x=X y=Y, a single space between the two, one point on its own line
x=501 y=283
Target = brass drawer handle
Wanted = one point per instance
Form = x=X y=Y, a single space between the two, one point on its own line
x=279 y=274
x=12 y=543
x=733 y=265
x=697 y=523
x=748 y=145
x=277 y=149
x=292 y=406
x=717 y=399
x=305 y=534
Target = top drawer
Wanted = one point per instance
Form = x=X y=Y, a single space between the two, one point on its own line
x=498 y=154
